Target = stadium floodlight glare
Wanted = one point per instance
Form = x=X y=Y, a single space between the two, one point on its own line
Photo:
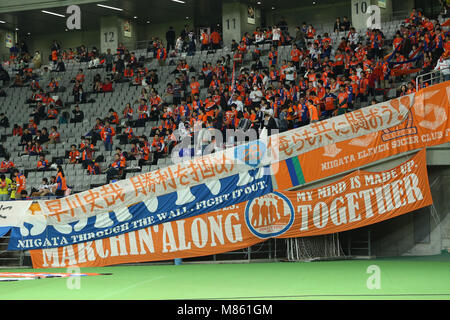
x=53 y=13
x=179 y=1
x=109 y=7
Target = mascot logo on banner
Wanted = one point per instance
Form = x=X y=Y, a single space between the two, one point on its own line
x=270 y=215
x=251 y=153
x=404 y=129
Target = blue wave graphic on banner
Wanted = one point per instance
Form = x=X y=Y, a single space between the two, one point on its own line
x=183 y=204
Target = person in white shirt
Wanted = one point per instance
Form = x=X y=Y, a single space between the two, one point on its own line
x=276 y=35
x=256 y=95
x=315 y=52
x=443 y=65
x=179 y=44
x=234 y=99
x=259 y=37
x=353 y=38
x=265 y=80
x=290 y=72
x=94 y=63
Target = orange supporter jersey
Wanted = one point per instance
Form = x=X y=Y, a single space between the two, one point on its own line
x=312 y=112
x=21 y=183
x=343 y=97
x=295 y=55
x=195 y=87
x=215 y=37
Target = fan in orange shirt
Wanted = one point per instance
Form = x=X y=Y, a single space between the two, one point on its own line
x=195 y=87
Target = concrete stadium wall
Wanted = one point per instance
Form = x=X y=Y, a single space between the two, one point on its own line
x=316 y=14
x=147 y=32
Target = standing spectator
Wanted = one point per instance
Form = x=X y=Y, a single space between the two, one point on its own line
x=204 y=40
x=443 y=65
x=5 y=184
x=161 y=55
x=338 y=25
x=109 y=60
x=107 y=135
x=215 y=40
x=346 y=24
x=21 y=182
x=61 y=186
x=37 y=60
x=170 y=38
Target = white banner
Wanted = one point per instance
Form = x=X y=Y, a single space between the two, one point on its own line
x=181 y=177
x=12 y=213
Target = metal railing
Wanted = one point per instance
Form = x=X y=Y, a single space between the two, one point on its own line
x=430 y=78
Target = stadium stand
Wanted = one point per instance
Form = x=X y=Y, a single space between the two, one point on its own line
x=135 y=99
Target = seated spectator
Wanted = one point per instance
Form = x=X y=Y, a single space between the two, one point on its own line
x=4 y=121
x=128 y=73
x=52 y=113
x=6 y=166
x=74 y=155
x=17 y=130
x=78 y=115
x=38 y=113
x=122 y=158
x=43 y=190
x=115 y=169
x=45 y=136
x=94 y=63
x=54 y=136
x=32 y=127
x=24 y=195
x=107 y=86
x=38 y=148
x=36 y=95
x=79 y=95
x=93 y=168
x=63 y=118
x=127 y=134
x=128 y=112
x=29 y=149
x=113 y=117
x=152 y=78
x=134 y=151
x=98 y=86
x=17 y=81
x=143 y=153
x=43 y=164
x=34 y=85
x=53 y=86
x=60 y=66
x=80 y=77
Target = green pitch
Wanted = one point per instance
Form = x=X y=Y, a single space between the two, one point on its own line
x=399 y=278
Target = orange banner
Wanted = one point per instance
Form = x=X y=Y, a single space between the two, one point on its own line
x=427 y=124
x=360 y=199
